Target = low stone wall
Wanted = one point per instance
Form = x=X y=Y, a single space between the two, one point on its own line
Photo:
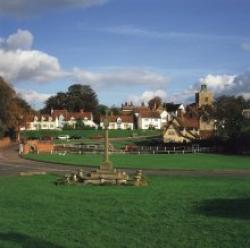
x=5 y=142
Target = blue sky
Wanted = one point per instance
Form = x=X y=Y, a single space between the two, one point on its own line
x=126 y=50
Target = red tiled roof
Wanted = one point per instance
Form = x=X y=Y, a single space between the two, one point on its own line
x=68 y=115
x=142 y=109
x=187 y=122
x=124 y=118
x=149 y=114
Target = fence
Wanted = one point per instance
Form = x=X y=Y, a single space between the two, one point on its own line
x=98 y=149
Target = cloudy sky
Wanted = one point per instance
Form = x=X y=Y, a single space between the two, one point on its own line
x=126 y=50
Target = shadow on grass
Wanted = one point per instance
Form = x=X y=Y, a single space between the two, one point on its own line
x=227 y=208
x=26 y=241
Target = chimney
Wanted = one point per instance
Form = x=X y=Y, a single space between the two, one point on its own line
x=51 y=111
x=81 y=111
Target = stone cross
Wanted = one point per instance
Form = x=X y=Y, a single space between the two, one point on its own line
x=106 y=164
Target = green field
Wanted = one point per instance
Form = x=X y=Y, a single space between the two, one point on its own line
x=166 y=161
x=90 y=133
x=170 y=212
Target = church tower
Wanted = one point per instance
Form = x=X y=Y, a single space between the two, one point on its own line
x=204 y=97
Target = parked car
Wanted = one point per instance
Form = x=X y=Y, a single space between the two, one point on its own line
x=63 y=137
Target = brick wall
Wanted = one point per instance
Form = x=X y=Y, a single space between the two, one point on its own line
x=38 y=146
x=5 y=142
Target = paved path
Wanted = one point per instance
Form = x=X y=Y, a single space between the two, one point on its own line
x=12 y=164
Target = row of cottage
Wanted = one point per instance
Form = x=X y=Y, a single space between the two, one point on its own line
x=178 y=122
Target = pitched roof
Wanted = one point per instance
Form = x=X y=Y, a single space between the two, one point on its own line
x=124 y=118
x=150 y=114
x=141 y=109
x=171 y=107
x=187 y=122
x=68 y=115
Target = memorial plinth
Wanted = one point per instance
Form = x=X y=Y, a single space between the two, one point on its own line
x=106 y=174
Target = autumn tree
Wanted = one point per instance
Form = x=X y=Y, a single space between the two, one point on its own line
x=12 y=108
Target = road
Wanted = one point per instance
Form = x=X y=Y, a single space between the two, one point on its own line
x=12 y=164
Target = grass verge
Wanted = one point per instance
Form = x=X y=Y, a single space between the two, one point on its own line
x=170 y=212
x=166 y=161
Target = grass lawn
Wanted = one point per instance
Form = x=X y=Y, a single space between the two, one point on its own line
x=90 y=133
x=173 y=161
x=170 y=212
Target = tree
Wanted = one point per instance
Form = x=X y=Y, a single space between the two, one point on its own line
x=12 y=108
x=155 y=103
x=101 y=109
x=59 y=101
x=228 y=115
x=114 y=110
x=82 y=97
x=78 y=97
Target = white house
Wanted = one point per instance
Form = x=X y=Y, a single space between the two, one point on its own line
x=38 y=122
x=149 y=119
x=58 y=119
x=174 y=109
x=165 y=118
x=63 y=117
x=119 y=122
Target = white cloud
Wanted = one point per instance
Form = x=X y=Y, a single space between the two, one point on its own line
x=31 y=7
x=20 y=65
x=34 y=98
x=22 y=39
x=228 y=84
x=19 y=62
x=237 y=85
x=147 y=95
x=120 y=77
x=155 y=34
x=218 y=83
x=245 y=46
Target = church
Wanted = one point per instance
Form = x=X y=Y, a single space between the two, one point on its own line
x=193 y=123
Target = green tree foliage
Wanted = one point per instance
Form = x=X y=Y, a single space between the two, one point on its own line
x=59 y=101
x=77 y=97
x=228 y=114
x=101 y=109
x=114 y=110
